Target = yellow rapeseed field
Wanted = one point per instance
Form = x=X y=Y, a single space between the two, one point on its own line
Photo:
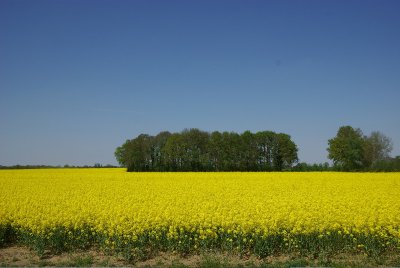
x=251 y=212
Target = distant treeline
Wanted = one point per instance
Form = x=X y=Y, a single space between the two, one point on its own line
x=27 y=167
x=49 y=166
x=351 y=150
x=303 y=167
x=389 y=164
x=196 y=150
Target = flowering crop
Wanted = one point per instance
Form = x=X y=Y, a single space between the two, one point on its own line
x=261 y=213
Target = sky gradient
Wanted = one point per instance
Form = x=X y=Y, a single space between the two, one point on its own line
x=78 y=78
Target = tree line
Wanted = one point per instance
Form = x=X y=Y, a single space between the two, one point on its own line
x=196 y=150
x=351 y=150
x=96 y=165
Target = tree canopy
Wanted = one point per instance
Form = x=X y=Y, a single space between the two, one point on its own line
x=350 y=150
x=196 y=150
x=346 y=149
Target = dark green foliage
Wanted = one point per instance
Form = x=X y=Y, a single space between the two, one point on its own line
x=96 y=165
x=196 y=150
x=322 y=246
x=7 y=235
x=80 y=261
x=56 y=240
x=347 y=149
x=351 y=151
x=301 y=167
x=387 y=165
x=376 y=148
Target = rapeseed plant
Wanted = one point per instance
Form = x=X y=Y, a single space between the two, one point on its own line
x=260 y=213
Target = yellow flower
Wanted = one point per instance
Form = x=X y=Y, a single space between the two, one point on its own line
x=112 y=202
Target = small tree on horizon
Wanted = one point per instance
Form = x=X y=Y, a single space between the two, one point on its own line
x=350 y=150
x=377 y=148
x=346 y=150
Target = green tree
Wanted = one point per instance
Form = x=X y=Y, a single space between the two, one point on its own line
x=285 y=153
x=215 y=149
x=265 y=143
x=140 y=153
x=121 y=154
x=377 y=147
x=230 y=151
x=196 y=150
x=157 y=156
x=248 y=152
x=347 y=149
x=173 y=152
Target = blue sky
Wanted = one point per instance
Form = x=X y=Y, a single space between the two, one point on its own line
x=78 y=78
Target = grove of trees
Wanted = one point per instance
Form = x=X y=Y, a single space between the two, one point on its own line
x=196 y=150
x=350 y=150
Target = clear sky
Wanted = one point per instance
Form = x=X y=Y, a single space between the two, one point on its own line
x=78 y=78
